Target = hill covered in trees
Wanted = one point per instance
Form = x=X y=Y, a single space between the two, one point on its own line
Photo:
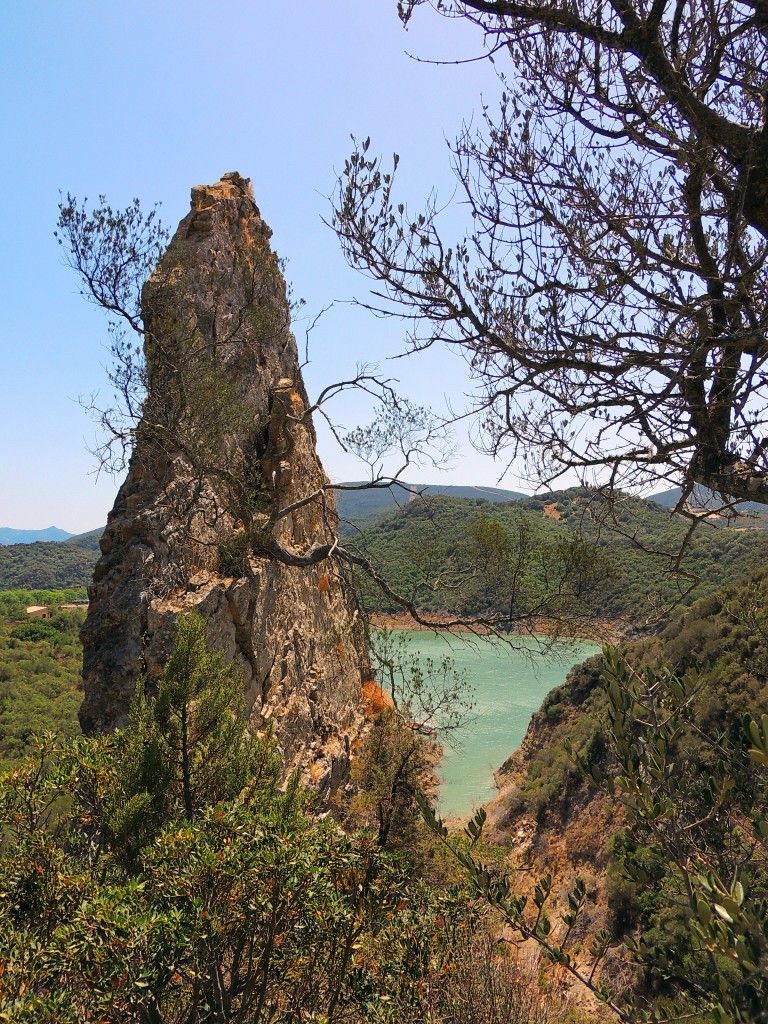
x=464 y=557
x=68 y=561
x=436 y=550
x=50 y=564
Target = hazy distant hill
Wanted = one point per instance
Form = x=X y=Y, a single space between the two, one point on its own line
x=355 y=506
x=702 y=498
x=53 y=533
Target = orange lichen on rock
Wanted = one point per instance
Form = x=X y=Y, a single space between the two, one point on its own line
x=374 y=699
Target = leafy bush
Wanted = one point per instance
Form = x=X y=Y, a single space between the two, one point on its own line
x=237 y=906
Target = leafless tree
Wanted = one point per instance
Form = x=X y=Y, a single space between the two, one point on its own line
x=610 y=299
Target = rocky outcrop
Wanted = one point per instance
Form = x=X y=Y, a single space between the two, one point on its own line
x=224 y=446
x=552 y=822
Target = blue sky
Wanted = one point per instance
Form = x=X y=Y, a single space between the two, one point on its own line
x=147 y=99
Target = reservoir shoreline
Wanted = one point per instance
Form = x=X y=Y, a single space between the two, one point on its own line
x=602 y=631
x=509 y=683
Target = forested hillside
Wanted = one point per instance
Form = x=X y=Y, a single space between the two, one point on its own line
x=50 y=564
x=439 y=553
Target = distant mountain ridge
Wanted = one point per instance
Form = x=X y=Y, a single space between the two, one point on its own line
x=355 y=506
x=52 y=533
x=702 y=497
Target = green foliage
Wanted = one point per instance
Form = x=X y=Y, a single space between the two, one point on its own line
x=482 y=561
x=472 y=559
x=700 y=801
x=550 y=779
x=14 y=603
x=40 y=663
x=391 y=767
x=233 y=554
x=254 y=911
x=247 y=909
x=429 y=693
x=399 y=427
x=187 y=747
x=47 y=564
x=118 y=905
x=36 y=629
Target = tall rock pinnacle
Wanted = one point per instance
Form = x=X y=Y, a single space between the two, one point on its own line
x=224 y=445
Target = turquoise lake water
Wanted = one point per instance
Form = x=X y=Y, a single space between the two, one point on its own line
x=508 y=688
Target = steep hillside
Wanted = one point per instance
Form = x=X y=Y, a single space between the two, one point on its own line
x=436 y=552
x=558 y=823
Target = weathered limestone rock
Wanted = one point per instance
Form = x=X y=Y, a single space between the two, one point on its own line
x=224 y=444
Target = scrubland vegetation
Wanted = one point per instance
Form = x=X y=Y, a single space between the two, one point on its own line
x=142 y=881
x=40 y=664
x=160 y=875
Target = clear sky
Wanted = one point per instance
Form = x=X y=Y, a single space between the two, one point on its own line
x=147 y=99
